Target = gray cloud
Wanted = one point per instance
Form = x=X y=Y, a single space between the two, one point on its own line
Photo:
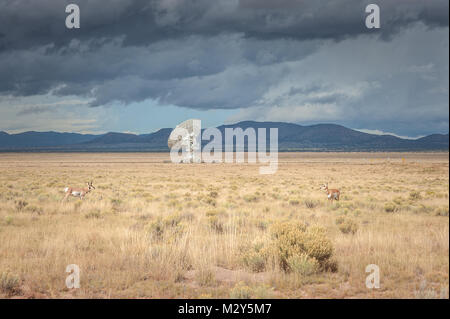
x=34 y=110
x=313 y=57
x=142 y=22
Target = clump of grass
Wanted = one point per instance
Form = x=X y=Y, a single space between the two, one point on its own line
x=9 y=284
x=93 y=214
x=398 y=201
x=275 y=196
x=170 y=225
x=8 y=220
x=116 y=204
x=241 y=291
x=205 y=277
x=390 y=208
x=415 y=195
x=35 y=209
x=262 y=292
x=346 y=225
x=213 y=194
x=173 y=203
x=310 y=203
x=255 y=256
x=335 y=206
x=296 y=243
x=294 y=202
x=422 y=209
x=251 y=198
x=441 y=211
x=20 y=205
x=215 y=224
x=261 y=224
x=210 y=201
x=205 y=296
x=303 y=264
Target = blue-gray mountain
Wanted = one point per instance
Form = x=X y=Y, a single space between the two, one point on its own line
x=291 y=137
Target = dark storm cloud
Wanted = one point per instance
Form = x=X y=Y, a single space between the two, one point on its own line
x=38 y=53
x=25 y=24
x=227 y=54
x=174 y=71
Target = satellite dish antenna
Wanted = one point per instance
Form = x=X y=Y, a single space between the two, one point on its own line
x=186 y=136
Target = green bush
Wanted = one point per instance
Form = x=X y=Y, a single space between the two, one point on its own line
x=255 y=256
x=303 y=264
x=346 y=225
x=296 y=243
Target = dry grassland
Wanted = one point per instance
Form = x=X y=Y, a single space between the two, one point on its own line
x=153 y=229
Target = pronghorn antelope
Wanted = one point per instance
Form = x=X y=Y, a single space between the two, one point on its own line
x=78 y=192
x=332 y=193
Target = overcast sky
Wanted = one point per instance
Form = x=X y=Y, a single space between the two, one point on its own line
x=139 y=65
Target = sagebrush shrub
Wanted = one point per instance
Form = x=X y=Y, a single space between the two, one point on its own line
x=346 y=225
x=296 y=243
x=256 y=255
x=303 y=264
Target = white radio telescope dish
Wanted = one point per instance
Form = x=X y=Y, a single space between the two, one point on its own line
x=186 y=136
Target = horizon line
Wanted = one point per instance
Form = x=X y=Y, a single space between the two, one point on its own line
x=376 y=132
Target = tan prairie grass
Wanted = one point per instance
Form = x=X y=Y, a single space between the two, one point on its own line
x=153 y=229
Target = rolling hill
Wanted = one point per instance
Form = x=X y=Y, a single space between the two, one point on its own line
x=291 y=137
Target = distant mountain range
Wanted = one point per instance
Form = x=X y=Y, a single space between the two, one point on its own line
x=291 y=137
